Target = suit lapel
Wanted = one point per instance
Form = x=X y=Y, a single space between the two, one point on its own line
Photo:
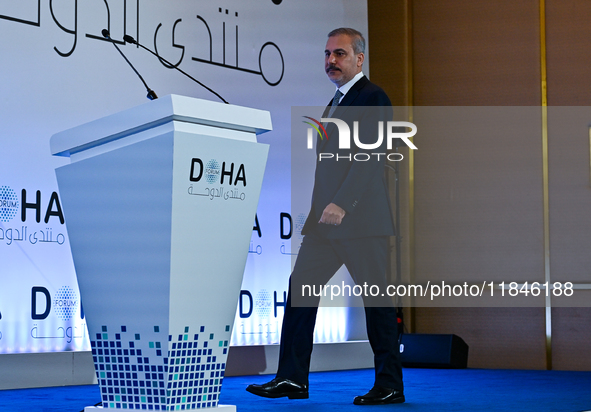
x=352 y=94
x=348 y=100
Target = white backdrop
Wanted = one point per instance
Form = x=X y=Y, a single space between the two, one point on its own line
x=57 y=72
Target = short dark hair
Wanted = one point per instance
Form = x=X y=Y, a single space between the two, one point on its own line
x=356 y=36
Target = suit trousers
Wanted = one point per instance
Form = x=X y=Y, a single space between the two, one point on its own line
x=318 y=260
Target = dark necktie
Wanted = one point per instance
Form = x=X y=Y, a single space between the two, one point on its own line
x=335 y=102
x=333 y=106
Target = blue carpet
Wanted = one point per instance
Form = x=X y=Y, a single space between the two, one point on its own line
x=426 y=390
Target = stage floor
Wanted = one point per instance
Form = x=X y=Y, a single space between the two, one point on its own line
x=439 y=390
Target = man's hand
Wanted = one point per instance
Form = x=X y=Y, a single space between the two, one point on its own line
x=332 y=215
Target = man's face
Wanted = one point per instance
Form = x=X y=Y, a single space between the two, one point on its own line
x=340 y=61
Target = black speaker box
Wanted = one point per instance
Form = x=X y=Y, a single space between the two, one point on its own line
x=433 y=351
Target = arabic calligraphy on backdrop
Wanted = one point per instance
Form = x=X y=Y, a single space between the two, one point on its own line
x=270 y=65
x=252 y=249
x=236 y=67
x=69 y=333
x=11 y=235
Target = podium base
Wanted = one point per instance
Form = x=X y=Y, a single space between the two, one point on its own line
x=219 y=408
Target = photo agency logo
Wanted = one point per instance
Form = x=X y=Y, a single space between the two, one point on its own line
x=390 y=131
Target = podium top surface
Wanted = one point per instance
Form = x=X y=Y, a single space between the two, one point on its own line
x=155 y=113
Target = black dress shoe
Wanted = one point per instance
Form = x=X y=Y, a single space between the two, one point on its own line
x=380 y=396
x=279 y=388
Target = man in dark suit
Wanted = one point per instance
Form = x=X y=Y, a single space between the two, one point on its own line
x=349 y=223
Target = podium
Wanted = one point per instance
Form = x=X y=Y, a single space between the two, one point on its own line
x=160 y=202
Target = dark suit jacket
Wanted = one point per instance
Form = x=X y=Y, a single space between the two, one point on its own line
x=356 y=186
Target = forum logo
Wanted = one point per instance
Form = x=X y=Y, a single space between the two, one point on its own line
x=263 y=303
x=9 y=204
x=212 y=171
x=65 y=303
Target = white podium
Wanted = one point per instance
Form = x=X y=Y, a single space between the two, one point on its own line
x=160 y=203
